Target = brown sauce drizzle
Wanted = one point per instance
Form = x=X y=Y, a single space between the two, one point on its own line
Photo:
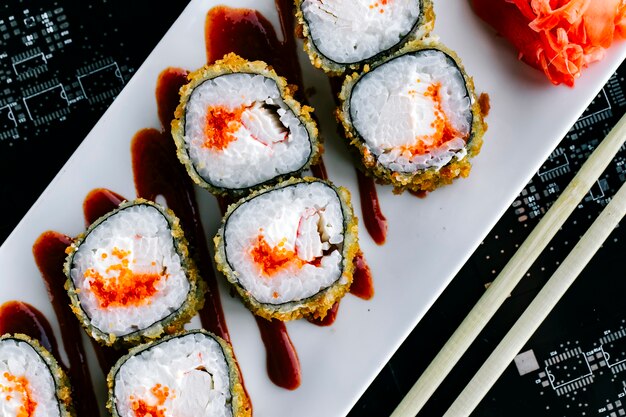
x=286 y=13
x=250 y=35
x=21 y=317
x=419 y=194
x=283 y=365
x=329 y=319
x=362 y=281
x=49 y=253
x=169 y=82
x=157 y=171
x=229 y=30
x=223 y=203
x=373 y=217
x=319 y=170
x=98 y=203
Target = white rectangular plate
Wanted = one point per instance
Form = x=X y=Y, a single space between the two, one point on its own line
x=428 y=239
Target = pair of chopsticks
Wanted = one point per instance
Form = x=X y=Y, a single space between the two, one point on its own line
x=511 y=275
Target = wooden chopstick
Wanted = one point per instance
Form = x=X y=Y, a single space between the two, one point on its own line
x=540 y=307
x=512 y=273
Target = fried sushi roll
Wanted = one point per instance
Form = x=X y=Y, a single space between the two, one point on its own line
x=193 y=373
x=346 y=34
x=31 y=381
x=414 y=118
x=130 y=276
x=238 y=127
x=289 y=249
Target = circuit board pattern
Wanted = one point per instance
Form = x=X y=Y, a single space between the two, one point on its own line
x=579 y=350
x=583 y=380
x=40 y=89
x=62 y=63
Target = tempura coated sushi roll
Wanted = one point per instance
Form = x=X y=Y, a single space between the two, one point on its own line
x=413 y=117
x=193 y=373
x=130 y=276
x=288 y=249
x=346 y=34
x=31 y=381
x=238 y=127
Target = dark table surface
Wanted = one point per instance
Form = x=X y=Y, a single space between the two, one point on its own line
x=103 y=42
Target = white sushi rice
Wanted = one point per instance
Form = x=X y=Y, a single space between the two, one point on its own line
x=306 y=219
x=20 y=359
x=268 y=142
x=350 y=31
x=192 y=367
x=144 y=232
x=389 y=110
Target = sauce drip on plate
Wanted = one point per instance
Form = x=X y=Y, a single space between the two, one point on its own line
x=373 y=217
x=283 y=365
x=99 y=202
x=49 y=252
x=21 y=317
x=250 y=35
x=362 y=280
x=329 y=319
x=158 y=174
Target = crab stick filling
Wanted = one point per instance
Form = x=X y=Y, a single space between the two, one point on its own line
x=186 y=376
x=127 y=272
x=308 y=247
x=413 y=112
x=239 y=132
x=286 y=244
x=258 y=122
x=439 y=130
x=348 y=31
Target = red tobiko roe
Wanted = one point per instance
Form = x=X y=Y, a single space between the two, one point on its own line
x=558 y=37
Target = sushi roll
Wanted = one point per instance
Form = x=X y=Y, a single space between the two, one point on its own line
x=413 y=117
x=289 y=249
x=193 y=373
x=130 y=277
x=31 y=381
x=346 y=34
x=238 y=127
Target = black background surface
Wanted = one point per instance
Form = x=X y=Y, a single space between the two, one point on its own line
x=89 y=50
